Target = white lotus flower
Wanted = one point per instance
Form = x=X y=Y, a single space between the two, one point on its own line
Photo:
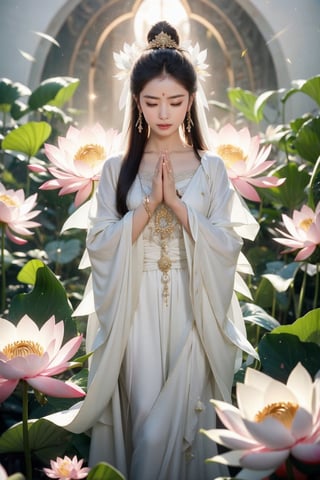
x=273 y=421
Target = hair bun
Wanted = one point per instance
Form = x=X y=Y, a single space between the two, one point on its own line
x=163 y=35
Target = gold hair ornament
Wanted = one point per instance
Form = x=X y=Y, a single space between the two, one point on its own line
x=162 y=40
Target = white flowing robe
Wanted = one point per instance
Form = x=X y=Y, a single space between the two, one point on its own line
x=155 y=367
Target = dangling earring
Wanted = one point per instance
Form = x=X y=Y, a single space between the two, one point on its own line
x=139 y=122
x=189 y=122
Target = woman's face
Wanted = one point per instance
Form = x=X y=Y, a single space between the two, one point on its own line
x=164 y=103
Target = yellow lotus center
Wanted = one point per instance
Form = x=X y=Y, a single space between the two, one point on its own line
x=8 y=200
x=64 y=468
x=306 y=224
x=230 y=154
x=22 y=348
x=282 y=411
x=91 y=154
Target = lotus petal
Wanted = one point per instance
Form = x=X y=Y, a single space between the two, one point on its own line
x=263 y=460
x=55 y=388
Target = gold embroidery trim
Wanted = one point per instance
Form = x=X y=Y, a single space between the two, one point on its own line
x=164 y=227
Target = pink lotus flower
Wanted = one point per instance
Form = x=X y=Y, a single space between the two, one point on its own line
x=304 y=232
x=78 y=160
x=34 y=355
x=16 y=213
x=66 y=469
x=273 y=421
x=243 y=160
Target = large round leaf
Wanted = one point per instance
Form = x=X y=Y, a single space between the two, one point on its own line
x=27 y=138
x=255 y=314
x=47 y=298
x=306 y=328
x=291 y=194
x=307 y=141
x=105 y=471
x=66 y=92
x=282 y=276
x=316 y=188
x=287 y=345
x=63 y=251
x=264 y=294
x=9 y=92
x=245 y=102
x=47 y=440
x=311 y=87
x=55 y=91
x=263 y=99
x=280 y=353
x=18 y=110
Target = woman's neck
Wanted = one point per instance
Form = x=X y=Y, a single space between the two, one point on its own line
x=172 y=143
x=159 y=147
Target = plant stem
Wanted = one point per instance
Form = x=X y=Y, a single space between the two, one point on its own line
x=25 y=431
x=289 y=468
x=3 y=272
x=27 y=187
x=274 y=303
x=316 y=289
x=302 y=290
x=313 y=176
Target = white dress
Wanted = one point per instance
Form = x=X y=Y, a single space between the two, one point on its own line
x=163 y=345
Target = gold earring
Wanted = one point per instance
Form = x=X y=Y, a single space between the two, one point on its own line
x=139 y=122
x=189 y=122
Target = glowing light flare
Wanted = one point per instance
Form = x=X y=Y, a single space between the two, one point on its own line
x=151 y=12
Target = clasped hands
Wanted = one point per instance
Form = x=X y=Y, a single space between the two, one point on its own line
x=163 y=183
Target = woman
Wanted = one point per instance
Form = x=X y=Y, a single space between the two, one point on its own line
x=163 y=249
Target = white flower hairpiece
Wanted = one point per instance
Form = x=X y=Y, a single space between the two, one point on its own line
x=126 y=58
x=124 y=61
x=198 y=58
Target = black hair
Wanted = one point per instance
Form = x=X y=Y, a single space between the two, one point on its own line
x=151 y=64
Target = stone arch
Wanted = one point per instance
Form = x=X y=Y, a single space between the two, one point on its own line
x=93 y=29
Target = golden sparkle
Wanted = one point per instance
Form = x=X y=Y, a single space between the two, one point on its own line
x=282 y=411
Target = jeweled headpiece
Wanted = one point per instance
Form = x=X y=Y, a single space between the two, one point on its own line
x=162 y=40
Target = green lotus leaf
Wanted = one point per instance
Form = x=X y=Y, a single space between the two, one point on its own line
x=54 y=91
x=27 y=138
x=291 y=194
x=104 y=471
x=307 y=142
x=10 y=92
x=47 y=440
x=47 y=298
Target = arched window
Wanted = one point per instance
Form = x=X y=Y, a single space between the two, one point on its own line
x=237 y=53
